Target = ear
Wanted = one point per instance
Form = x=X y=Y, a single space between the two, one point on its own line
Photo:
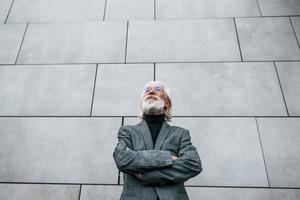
x=167 y=103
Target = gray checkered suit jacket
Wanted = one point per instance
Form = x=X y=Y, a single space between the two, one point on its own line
x=162 y=176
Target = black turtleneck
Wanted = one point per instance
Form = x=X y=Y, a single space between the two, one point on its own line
x=154 y=123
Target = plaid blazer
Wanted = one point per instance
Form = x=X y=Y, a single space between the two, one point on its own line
x=162 y=176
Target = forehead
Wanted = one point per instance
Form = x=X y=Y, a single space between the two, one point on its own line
x=153 y=85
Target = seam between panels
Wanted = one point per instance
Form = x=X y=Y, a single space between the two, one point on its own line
x=282 y=93
x=8 y=13
x=22 y=41
x=126 y=41
x=238 y=39
x=262 y=151
x=94 y=88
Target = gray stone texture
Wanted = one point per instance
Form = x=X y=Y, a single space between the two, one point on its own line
x=267 y=39
x=182 y=9
x=205 y=193
x=10 y=41
x=58 y=150
x=227 y=148
x=24 y=11
x=54 y=90
x=86 y=42
x=281 y=146
x=129 y=10
x=119 y=87
x=4 y=8
x=90 y=192
x=72 y=71
x=279 y=7
x=38 y=192
x=296 y=25
x=182 y=41
x=223 y=89
x=103 y=192
x=289 y=74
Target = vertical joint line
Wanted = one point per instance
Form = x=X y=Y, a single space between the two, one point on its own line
x=287 y=111
x=104 y=12
x=9 y=11
x=119 y=172
x=119 y=177
x=21 y=43
x=262 y=150
x=95 y=80
x=79 y=195
x=238 y=40
x=257 y=1
x=127 y=27
x=154 y=9
x=294 y=32
x=154 y=71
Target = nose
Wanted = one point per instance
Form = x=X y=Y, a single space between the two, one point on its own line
x=151 y=91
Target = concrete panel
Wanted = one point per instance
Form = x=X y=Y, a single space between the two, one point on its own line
x=10 y=41
x=229 y=149
x=103 y=192
x=4 y=8
x=129 y=10
x=296 y=25
x=88 y=42
x=46 y=90
x=223 y=89
x=204 y=193
x=58 y=150
x=289 y=74
x=118 y=88
x=281 y=146
x=38 y=192
x=32 y=11
x=181 y=9
x=89 y=192
x=269 y=38
x=182 y=41
x=279 y=7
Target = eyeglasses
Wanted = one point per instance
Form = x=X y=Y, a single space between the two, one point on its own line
x=155 y=89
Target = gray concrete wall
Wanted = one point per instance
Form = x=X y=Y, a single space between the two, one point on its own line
x=71 y=73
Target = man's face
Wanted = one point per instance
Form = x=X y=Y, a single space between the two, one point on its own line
x=154 y=92
x=154 y=101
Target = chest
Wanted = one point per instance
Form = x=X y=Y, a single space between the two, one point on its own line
x=171 y=142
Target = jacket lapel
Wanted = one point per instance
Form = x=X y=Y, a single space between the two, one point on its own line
x=145 y=131
x=164 y=131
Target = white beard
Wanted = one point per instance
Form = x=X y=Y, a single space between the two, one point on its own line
x=153 y=106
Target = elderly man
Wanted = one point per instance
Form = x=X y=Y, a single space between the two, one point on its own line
x=156 y=158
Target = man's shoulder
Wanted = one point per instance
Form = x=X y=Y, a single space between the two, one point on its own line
x=129 y=127
x=178 y=128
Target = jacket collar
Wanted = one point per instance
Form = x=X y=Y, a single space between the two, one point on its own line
x=145 y=131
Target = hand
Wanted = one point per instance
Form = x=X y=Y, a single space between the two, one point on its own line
x=138 y=175
x=174 y=157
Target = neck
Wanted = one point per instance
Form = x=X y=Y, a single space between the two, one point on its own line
x=158 y=117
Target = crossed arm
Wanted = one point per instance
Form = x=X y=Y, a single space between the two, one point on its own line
x=157 y=167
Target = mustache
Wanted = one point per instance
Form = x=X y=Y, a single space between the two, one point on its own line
x=149 y=97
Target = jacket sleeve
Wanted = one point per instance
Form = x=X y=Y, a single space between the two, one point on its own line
x=130 y=161
x=185 y=167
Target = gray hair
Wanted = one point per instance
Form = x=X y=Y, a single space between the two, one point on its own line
x=167 y=112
